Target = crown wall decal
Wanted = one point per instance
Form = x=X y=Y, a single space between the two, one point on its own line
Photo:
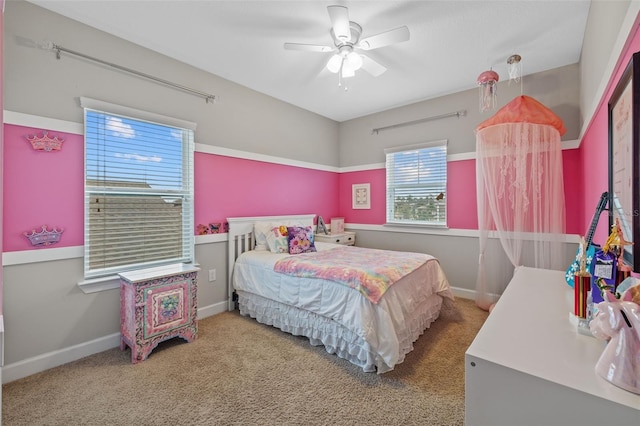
x=45 y=237
x=45 y=143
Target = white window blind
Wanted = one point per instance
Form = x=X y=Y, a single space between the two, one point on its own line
x=417 y=184
x=138 y=193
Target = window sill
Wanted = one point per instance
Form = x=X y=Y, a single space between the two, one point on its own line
x=416 y=225
x=110 y=282
x=96 y=285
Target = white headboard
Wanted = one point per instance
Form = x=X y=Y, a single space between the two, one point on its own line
x=242 y=238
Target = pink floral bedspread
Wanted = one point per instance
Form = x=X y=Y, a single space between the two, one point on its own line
x=369 y=271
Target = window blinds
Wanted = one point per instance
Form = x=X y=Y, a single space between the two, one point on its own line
x=138 y=193
x=417 y=184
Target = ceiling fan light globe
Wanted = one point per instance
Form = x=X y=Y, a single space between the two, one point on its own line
x=347 y=71
x=355 y=61
x=334 y=63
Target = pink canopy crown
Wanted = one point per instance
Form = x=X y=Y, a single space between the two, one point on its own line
x=525 y=109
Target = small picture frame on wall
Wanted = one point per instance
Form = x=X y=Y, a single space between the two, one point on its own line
x=361 y=196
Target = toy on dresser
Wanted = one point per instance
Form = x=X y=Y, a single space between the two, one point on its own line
x=618 y=322
x=582 y=285
x=609 y=269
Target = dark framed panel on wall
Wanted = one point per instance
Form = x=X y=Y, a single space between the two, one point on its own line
x=624 y=158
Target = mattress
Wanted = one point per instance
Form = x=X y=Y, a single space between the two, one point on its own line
x=374 y=336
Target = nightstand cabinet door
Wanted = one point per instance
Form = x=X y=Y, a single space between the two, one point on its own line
x=157 y=304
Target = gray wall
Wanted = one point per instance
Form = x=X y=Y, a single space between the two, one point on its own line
x=557 y=89
x=36 y=83
x=603 y=26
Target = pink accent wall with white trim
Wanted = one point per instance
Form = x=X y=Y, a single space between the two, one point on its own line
x=42 y=188
x=1 y=154
x=377 y=180
x=594 y=149
x=231 y=187
x=461 y=194
x=46 y=188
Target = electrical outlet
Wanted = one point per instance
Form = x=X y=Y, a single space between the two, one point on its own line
x=212 y=274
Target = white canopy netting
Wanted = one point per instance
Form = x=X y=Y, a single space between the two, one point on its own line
x=520 y=189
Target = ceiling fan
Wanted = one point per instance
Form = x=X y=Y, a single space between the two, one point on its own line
x=347 y=44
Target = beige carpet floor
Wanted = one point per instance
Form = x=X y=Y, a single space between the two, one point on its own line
x=240 y=372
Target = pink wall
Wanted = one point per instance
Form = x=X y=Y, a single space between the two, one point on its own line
x=573 y=191
x=46 y=188
x=461 y=194
x=42 y=188
x=1 y=135
x=230 y=187
x=377 y=180
x=595 y=143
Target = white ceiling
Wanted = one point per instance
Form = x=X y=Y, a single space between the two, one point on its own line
x=451 y=43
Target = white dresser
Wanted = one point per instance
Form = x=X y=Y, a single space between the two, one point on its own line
x=529 y=366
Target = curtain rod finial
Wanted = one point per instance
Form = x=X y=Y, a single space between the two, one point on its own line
x=47 y=45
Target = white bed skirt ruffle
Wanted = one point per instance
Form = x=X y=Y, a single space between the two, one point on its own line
x=336 y=338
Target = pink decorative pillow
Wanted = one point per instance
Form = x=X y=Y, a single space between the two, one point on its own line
x=300 y=239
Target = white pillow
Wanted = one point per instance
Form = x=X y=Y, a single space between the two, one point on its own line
x=261 y=229
x=277 y=239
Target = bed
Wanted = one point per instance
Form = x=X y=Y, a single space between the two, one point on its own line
x=365 y=321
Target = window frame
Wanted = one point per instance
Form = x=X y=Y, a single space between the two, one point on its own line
x=390 y=189
x=93 y=276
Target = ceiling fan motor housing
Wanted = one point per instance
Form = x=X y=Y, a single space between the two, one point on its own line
x=356 y=31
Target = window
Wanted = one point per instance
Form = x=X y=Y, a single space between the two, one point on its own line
x=138 y=189
x=417 y=184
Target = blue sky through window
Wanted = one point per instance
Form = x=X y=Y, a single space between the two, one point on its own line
x=420 y=167
x=125 y=150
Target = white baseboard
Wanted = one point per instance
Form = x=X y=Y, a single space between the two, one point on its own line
x=463 y=293
x=29 y=366
x=216 y=308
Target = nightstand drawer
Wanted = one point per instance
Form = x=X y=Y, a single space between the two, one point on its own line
x=347 y=238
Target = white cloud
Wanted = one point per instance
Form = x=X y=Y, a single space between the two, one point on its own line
x=138 y=157
x=120 y=129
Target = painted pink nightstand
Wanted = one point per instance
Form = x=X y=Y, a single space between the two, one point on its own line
x=157 y=304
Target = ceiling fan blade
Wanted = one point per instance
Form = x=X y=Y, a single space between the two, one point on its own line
x=308 y=47
x=339 y=16
x=396 y=35
x=372 y=67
